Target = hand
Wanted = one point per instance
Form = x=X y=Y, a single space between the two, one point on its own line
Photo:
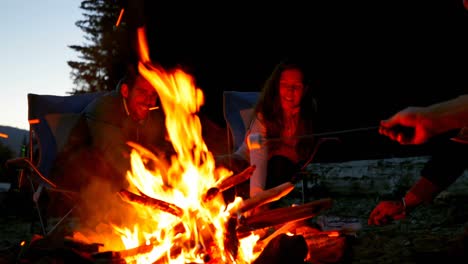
x=411 y=118
x=387 y=211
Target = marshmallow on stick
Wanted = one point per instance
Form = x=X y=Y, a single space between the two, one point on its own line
x=255 y=141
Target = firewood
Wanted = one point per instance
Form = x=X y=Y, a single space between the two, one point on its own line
x=120 y=256
x=237 y=179
x=265 y=197
x=152 y=202
x=286 y=228
x=229 y=182
x=142 y=249
x=283 y=215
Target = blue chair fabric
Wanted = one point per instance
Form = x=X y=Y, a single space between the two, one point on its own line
x=39 y=107
x=235 y=102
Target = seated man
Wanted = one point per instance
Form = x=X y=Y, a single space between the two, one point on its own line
x=98 y=167
x=125 y=115
x=119 y=116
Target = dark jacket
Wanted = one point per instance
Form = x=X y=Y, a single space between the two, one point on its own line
x=106 y=154
x=110 y=129
x=445 y=166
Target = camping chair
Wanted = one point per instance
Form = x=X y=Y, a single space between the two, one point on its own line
x=238 y=108
x=51 y=119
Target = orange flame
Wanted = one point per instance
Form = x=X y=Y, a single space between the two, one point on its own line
x=34 y=121
x=200 y=231
x=117 y=23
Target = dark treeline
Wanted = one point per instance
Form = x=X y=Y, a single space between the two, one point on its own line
x=371 y=57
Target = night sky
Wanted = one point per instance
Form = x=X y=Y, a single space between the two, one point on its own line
x=371 y=57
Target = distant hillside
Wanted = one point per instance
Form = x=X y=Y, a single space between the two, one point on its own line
x=15 y=138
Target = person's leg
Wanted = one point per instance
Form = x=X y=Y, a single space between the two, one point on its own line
x=446 y=165
x=279 y=170
x=236 y=165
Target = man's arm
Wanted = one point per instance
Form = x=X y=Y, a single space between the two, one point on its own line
x=426 y=122
x=448 y=115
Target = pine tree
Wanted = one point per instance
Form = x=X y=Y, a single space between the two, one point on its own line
x=103 y=57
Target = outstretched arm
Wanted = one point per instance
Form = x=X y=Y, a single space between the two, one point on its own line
x=427 y=121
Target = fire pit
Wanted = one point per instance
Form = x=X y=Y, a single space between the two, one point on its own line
x=280 y=237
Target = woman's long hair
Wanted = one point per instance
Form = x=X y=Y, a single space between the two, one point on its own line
x=269 y=102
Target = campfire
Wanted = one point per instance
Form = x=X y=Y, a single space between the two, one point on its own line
x=180 y=213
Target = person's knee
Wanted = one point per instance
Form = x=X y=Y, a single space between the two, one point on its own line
x=279 y=170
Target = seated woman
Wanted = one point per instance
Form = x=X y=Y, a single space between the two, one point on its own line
x=286 y=110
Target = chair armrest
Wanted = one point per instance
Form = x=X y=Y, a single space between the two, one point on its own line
x=24 y=163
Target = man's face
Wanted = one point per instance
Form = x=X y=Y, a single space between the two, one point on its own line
x=140 y=98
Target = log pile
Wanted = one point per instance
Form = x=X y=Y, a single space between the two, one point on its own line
x=281 y=230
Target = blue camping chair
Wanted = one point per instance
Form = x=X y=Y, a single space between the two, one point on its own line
x=51 y=120
x=238 y=108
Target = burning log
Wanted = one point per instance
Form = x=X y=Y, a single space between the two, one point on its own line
x=266 y=196
x=120 y=256
x=283 y=215
x=149 y=201
x=230 y=182
x=237 y=179
x=286 y=228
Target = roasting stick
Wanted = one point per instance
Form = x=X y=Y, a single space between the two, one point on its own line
x=255 y=140
x=343 y=131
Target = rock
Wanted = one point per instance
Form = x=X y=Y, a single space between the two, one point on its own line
x=373 y=177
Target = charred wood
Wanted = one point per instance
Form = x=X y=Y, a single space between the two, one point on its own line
x=229 y=182
x=149 y=201
x=283 y=215
x=265 y=197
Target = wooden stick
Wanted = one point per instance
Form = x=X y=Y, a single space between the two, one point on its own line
x=237 y=179
x=284 y=215
x=229 y=182
x=284 y=229
x=149 y=201
x=265 y=197
x=131 y=252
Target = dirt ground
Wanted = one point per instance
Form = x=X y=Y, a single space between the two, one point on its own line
x=431 y=233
